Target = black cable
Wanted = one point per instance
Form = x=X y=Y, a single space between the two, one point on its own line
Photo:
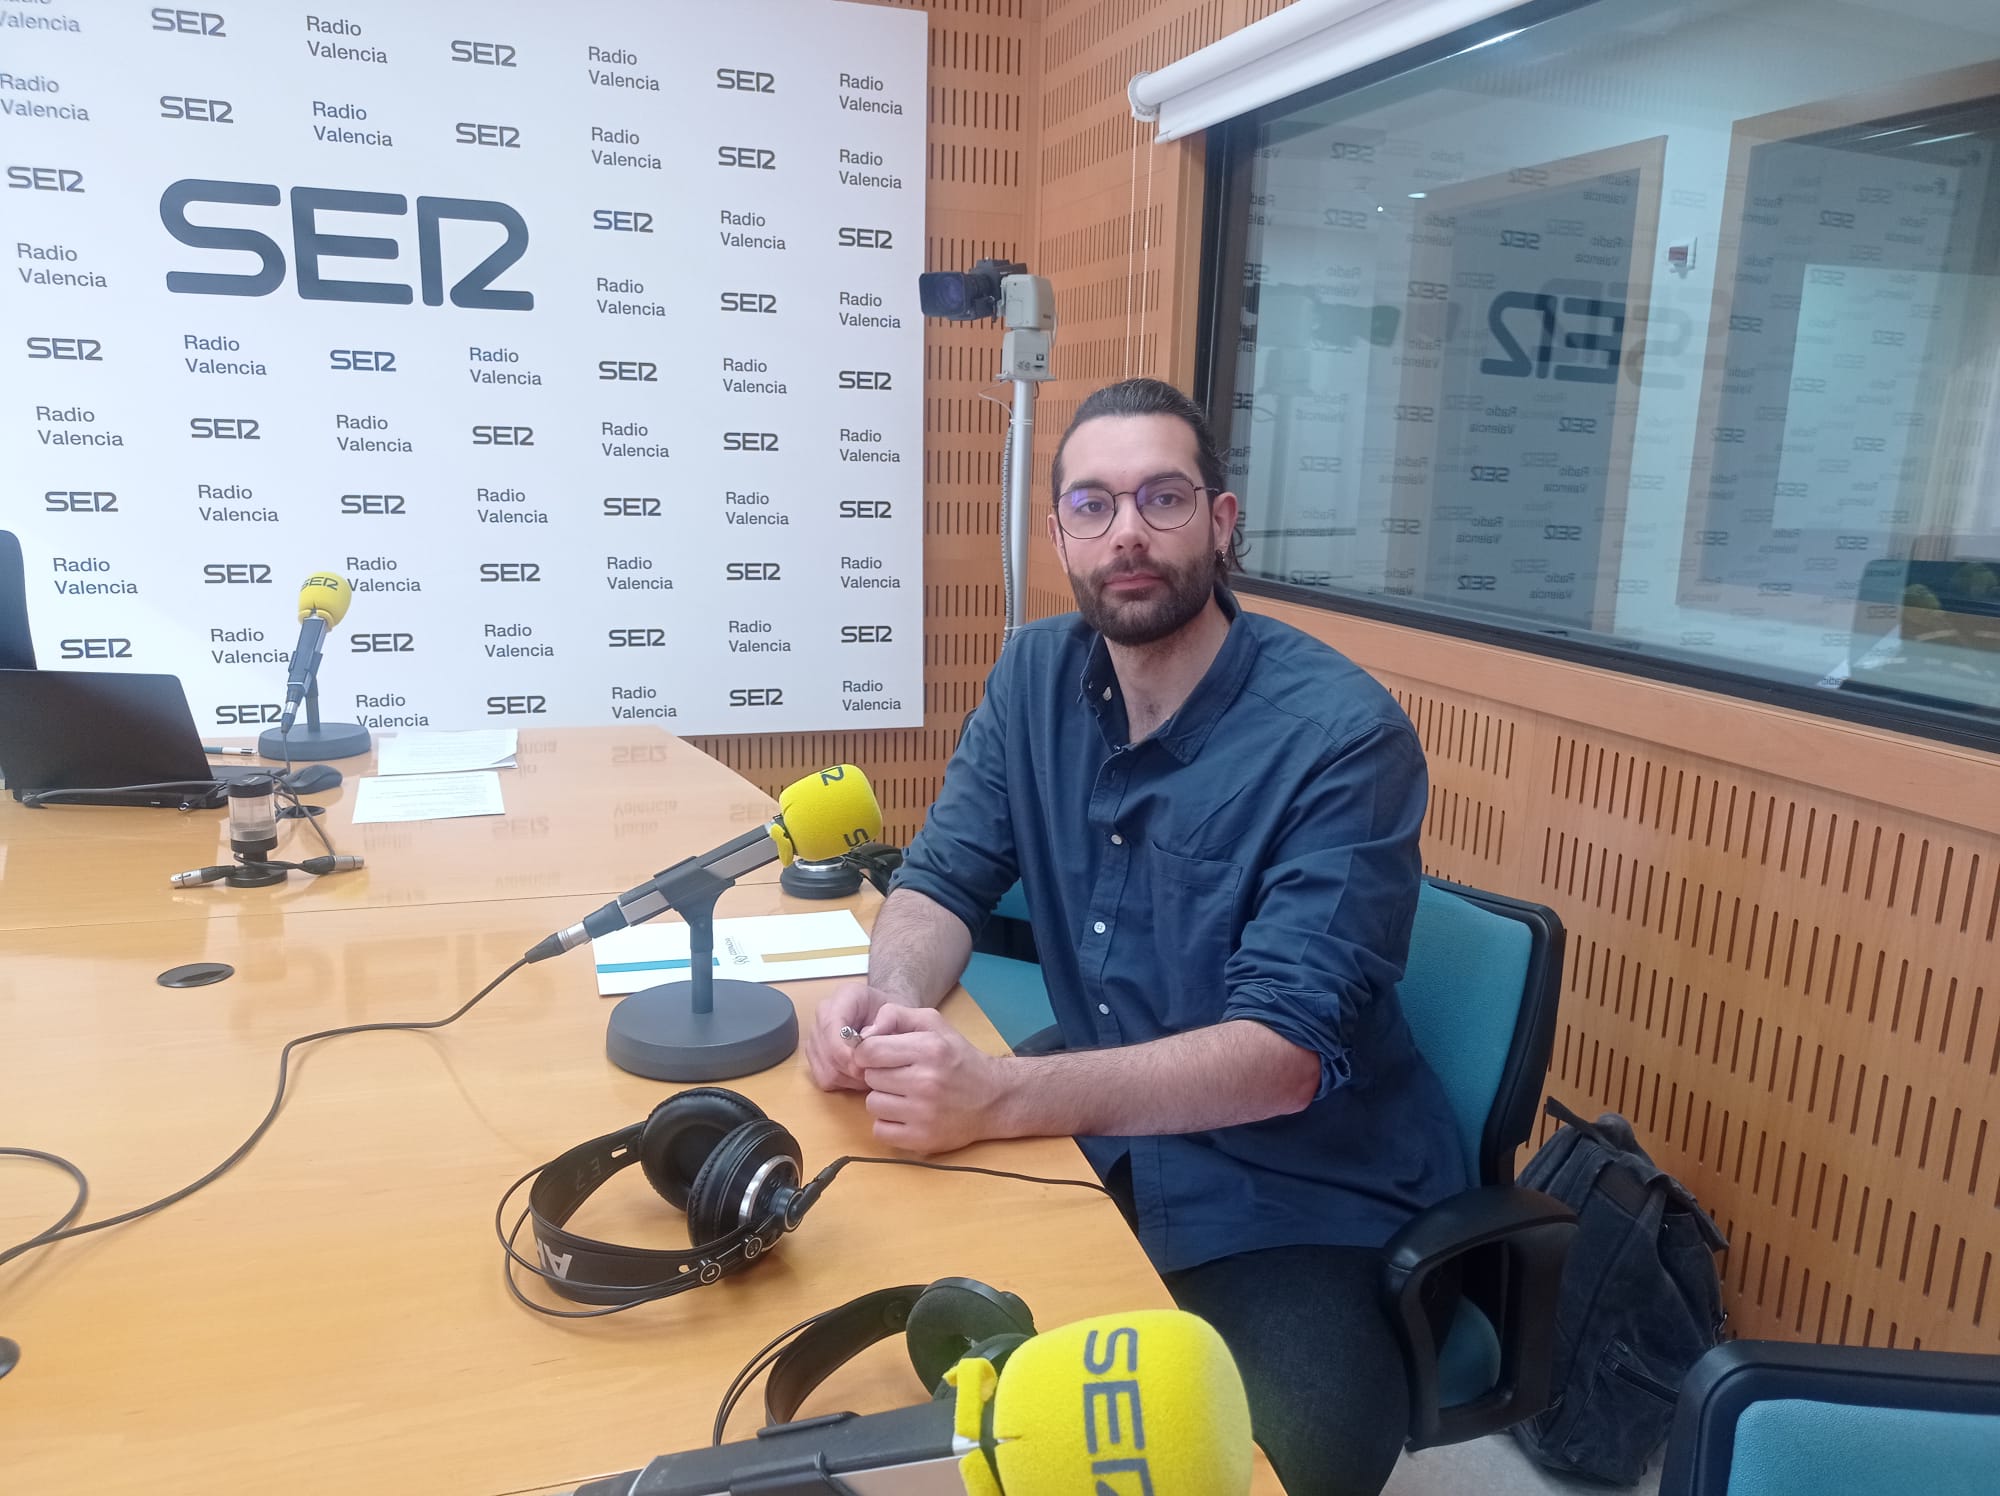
x=64 y=1231
x=76 y=1205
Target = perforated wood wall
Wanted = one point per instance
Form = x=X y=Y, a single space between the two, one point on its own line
x=983 y=58
x=1783 y=931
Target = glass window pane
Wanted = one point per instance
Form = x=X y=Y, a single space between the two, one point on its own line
x=1672 y=329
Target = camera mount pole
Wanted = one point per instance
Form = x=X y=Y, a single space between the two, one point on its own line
x=1027 y=310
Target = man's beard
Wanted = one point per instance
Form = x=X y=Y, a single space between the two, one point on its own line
x=1184 y=592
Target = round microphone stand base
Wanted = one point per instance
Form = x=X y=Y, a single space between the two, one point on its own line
x=837 y=879
x=314 y=742
x=658 y=1034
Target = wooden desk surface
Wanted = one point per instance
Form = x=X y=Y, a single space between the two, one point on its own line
x=590 y=812
x=330 y=1315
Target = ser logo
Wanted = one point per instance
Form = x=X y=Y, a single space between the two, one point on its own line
x=198 y=111
x=864 y=379
x=224 y=429
x=648 y=638
x=1477 y=582
x=510 y=571
x=247 y=713
x=80 y=501
x=504 y=137
x=235 y=574
x=746 y=80
x=621 y=221
x=752 y=571
x=473 y=290
x=867 y=633
x=503 y=436
x=361 y=360
x=1519 y=239
x=44 y=179
x=1481 y=474
x=97 y=649
x=74 y=350
x=1399 y=524
x=1577 y=425
x=638 y=371
x=1422 y=414
x=866 y=508
x=381 y=643
x=631 y=506
x=747 y=157
x=757 y=696
x=372 y=503
x=749 y=441
x=858 y=238
x=1562 y=532
x=485 y=54
x=187 y=22
x=517 y=706
x=763 y=302
x=1319 y=463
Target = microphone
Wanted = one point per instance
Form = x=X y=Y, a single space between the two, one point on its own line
x=1145 y=1401
x=822 y=816
x=322 y=603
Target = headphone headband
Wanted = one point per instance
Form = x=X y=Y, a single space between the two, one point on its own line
x=590 y=1271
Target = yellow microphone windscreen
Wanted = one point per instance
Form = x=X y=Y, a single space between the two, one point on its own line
x=326 y=596
x=826 y=815
x=1146 y=1401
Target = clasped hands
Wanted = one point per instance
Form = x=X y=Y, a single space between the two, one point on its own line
x=928 y=1088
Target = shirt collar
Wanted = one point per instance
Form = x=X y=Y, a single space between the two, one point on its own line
x=1183 y=733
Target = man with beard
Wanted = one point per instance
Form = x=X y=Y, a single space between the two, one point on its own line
x=1214 y=819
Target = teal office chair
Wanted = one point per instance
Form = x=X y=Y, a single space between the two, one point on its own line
x=1004 y=975
x=1479 y=993
x=1763 y=1418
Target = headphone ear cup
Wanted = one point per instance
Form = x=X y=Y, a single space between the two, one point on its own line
x=684 y=1131
x=715 y=1200
x=955 y=1315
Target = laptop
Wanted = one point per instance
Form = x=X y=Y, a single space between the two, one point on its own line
x=105 y=730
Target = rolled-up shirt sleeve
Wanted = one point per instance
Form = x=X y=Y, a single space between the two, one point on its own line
x=965 y=856
x=1329 y=928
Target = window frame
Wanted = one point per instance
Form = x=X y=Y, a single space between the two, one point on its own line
x=1224 y=237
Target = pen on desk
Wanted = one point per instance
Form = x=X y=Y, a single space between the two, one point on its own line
x=229 y=752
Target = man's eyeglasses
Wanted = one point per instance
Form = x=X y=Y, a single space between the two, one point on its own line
x=1164 y=504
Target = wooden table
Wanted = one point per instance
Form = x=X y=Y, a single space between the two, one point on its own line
x=590 y=812
x=330 y=1315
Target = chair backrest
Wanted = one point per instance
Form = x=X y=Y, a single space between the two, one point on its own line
x=1479 y=993
x=17 y=646
x=1764 y=1418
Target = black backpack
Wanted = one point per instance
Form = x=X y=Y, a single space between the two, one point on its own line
x=1640 y=1299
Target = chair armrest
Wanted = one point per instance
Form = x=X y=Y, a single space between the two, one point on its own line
x=1530 y=1232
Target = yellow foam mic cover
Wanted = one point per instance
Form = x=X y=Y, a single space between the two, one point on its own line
x=826 y=815
x=1149 y=1400
x=326 y=596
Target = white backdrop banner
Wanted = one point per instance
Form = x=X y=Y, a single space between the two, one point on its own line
x=582 y=339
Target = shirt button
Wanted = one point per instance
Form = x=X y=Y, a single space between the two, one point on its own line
x=1103 y=1008
x=1117 y=840
x=1098 y=927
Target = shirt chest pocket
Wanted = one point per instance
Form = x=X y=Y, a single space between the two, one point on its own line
x=1194 y=927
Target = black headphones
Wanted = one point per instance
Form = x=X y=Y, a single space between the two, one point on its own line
x=709 y=1152
x=942 y=1323
x=739 y=1178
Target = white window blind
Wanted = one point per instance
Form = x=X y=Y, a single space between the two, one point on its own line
x=1305 y=44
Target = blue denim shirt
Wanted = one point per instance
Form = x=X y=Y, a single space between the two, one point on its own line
x=1256 y=857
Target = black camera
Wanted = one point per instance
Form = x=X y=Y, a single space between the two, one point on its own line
x=965 y=295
